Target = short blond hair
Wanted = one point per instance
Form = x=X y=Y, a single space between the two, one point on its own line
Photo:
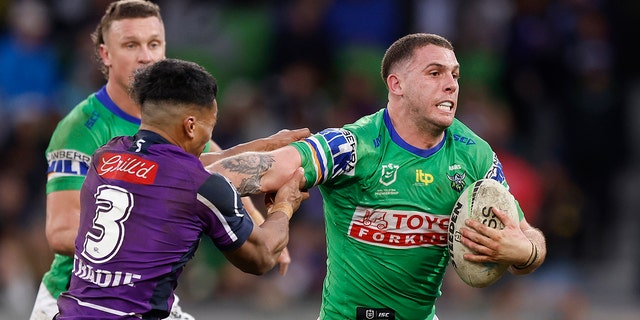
x=119 y=10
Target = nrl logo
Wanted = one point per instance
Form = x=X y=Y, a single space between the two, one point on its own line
x=457 y=181
x=389 y=173
x=370 y=314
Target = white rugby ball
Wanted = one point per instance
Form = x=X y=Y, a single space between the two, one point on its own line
x=475 y=203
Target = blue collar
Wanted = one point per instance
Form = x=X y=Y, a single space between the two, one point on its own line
x=104 y=98
x=395 y=137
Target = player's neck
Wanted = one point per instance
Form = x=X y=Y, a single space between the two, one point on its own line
x=411 y=133
x=121 y=98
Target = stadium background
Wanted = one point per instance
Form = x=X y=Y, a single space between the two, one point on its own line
x=552 y=84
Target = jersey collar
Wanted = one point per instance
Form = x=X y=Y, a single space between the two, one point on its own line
x=104 y=98
x=395 y=137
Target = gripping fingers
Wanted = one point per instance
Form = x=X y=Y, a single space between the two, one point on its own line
x=479 y=243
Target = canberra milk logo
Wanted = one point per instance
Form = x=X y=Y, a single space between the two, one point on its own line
x=389 y=174
x=67 y=162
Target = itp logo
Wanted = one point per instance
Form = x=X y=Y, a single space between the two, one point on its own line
x=424 y=178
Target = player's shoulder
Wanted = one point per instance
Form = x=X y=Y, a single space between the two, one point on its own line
x=460 y=135
x=80 y=111
x=369 y=124
x=367 y=132
x=72 y=125
x=82 y=116
x=214 y=186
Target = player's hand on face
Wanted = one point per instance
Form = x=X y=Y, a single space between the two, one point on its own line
x=285 y=137
x=509 y=245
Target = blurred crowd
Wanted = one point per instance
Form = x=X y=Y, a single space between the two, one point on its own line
x=550 y=84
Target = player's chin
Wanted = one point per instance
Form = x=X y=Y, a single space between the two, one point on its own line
x=445 y=122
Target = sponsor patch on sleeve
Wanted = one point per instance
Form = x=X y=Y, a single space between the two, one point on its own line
x=332 y=153
x=67 y=162
x=342 y=145
x=496 y=172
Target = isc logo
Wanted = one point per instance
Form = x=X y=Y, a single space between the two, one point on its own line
x=364 y=313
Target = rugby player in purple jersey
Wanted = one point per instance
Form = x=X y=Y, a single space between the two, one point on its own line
x=147 y=201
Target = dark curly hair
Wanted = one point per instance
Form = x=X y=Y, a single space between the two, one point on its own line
x=175 y=82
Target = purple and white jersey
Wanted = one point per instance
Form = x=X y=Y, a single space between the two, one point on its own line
x=145 y=204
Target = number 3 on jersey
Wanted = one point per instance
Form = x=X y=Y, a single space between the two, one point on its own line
x=103 y=240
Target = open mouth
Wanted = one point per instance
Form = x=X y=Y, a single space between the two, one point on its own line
x=445 y=106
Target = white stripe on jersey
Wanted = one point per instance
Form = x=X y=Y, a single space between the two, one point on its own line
x=220 y=217
x=101 y=308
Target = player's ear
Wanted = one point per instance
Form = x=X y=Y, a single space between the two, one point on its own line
x=393 y=83
x=189 y=125
x=104 y=54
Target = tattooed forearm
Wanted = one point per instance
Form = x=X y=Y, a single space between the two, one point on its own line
x=249 y=186
x=251 y=165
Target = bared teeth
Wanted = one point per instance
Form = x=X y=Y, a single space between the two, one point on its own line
x=445 y=106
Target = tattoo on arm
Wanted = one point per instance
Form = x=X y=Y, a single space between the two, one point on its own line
x=253 y=166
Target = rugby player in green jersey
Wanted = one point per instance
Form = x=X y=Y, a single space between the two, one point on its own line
x=130 y=35
x=389 y=182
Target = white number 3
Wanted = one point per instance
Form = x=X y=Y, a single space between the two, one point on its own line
x=103 y=240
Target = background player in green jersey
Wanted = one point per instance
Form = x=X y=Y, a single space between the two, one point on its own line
x=389 y=182
x=130 y=35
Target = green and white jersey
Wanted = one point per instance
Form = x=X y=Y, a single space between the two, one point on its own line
x=88 y=126
x=387 y=206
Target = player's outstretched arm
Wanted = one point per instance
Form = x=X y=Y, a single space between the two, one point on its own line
x=272 y=142
x=260 y=252
x=259 y=172
x=521 y=246
x=63 y=219
x=284 y=260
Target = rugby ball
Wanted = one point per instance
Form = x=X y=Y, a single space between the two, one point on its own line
x=476 y=202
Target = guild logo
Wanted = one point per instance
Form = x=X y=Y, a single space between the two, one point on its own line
x=389 y=174
x=127 y=167
x=457 y=181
